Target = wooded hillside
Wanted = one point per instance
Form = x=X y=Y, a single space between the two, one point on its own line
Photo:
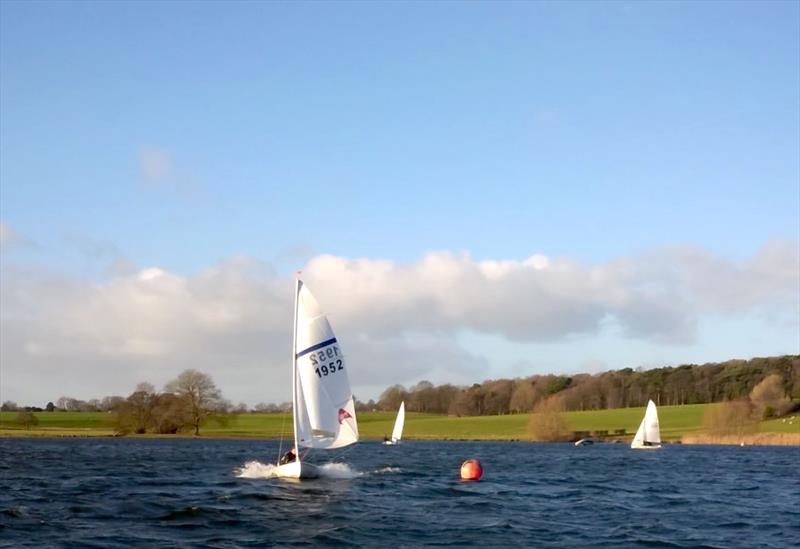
x=686 y=384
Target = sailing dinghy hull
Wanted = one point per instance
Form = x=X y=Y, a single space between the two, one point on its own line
x=646 y=447
x=297 y=469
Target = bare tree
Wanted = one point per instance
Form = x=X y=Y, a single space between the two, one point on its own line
x=391 y=398
x=9 y=406
x=272 y=408
x=265 y=407
x=729 y=418
x=200 y=397
x=522 y=396
x=168 y=414
x=135 y=413
x=27 y=419
x=546 y=423
x=468 y=402
x=768 y=397
x=421 y=397
x=496 y=396
x=111 y=403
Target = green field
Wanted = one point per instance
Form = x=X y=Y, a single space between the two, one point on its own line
x=676 y=421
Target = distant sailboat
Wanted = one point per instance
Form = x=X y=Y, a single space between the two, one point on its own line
x=323 y=409
x=399 y=422
x=648 y=436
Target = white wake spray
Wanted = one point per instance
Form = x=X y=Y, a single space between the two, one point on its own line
x=387 y=470
x=258 y=470
x=338 y=471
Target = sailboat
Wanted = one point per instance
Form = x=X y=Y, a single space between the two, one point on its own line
x=397 y=432
x=648 y=436
x=323 y=407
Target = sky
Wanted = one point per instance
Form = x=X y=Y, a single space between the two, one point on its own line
x=471 y=190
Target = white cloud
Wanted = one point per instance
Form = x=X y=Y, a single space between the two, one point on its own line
x=399 y=322
x=769 y=277
x=536 y=299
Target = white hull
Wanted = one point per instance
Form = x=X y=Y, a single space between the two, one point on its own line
x=391 y=442
x=643 y=447
x=297 y=469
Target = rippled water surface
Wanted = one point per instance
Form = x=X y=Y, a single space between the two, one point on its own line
x=219 y=493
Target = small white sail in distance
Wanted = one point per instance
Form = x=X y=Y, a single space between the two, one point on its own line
x=399 y=422
x=649 y=433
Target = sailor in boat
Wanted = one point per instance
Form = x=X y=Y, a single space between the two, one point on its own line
x=386 y=439
x=288 y=457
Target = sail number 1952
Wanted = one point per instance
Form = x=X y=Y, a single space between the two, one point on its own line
x=327 y=361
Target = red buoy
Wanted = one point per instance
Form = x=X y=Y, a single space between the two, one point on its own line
x=471 y=470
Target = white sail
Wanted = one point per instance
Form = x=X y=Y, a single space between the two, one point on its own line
x=397 y=432
x=652 y=430
x=638 y=438
x=324 y=411
x=649 y=433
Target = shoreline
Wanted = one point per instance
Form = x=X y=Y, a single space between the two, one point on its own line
x=755 y=439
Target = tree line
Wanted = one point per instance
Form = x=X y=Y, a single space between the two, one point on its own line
x=685 y=384
x=186 y=403
x=192 y=399
x=113 y=403
x=767 y=399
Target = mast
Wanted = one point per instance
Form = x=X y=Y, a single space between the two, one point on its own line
x=294 y=370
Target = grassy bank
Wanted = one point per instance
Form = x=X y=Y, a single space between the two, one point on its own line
x=676 y=422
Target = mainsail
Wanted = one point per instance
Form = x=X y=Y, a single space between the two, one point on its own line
x=397 y=432
x=649 y=433
x=324 y=409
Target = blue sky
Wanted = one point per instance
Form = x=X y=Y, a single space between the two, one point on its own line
x=180 y=135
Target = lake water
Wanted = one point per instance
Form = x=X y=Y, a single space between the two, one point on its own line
x=218 y=493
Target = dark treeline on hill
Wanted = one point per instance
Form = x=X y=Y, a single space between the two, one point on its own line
x=687 y=384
